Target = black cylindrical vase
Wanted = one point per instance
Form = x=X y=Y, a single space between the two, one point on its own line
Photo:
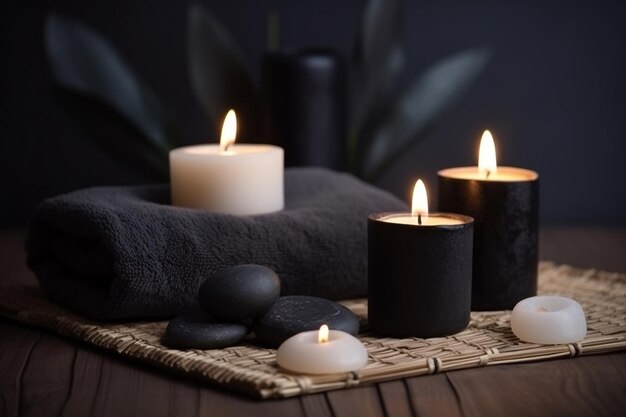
x=420 y=276
x=305 y=96
x=505 y=208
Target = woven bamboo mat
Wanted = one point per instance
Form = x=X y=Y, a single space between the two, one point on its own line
x=487 y=341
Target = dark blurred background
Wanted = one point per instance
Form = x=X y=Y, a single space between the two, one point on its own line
x=553 y=95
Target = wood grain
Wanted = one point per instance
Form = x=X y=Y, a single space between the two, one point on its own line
x=433 y=396
x=47 y=378
x=15 y=349
x=393 y=395
x=587 y=386
x=85 y=384
x=316 y=405
x=219 y=403
x=360 y=401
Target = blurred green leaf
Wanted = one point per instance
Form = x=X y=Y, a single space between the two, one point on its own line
x=425 y=99
x=84 y=62
x=378 y=57
x=220 y=77
x=112 y=132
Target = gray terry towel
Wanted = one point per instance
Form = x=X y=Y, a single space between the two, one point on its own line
x=124 y=252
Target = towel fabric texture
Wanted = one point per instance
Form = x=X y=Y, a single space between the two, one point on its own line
x=124 y=252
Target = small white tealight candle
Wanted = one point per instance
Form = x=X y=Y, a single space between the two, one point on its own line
x=549 y=319
x=322 y=352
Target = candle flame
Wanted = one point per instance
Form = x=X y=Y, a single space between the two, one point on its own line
x=487 y=155
x=420 y=201
x=322 y=336
x=229 y=131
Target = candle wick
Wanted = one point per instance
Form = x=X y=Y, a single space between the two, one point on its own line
x=419 y=219
x=488 y=173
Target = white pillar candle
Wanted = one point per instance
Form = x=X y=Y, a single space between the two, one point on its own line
x=322 y=352
x=549 y=319
x=229 y=178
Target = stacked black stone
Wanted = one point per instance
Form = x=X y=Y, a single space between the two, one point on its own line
x=229 y=298
x=235 y=297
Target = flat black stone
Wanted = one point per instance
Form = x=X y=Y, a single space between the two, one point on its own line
x=199 y=331
x=297 y=313
x=239 y=292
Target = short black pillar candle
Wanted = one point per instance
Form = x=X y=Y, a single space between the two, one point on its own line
x=420 y=276
x=505 y=208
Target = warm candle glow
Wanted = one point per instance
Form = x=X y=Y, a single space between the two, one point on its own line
x=229 y=131
x=322 y=336
x=487 y=155
x=420 y=201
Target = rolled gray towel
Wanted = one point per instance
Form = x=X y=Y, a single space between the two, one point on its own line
x=124 y=252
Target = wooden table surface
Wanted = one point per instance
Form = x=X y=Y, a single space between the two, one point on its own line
x=42 y=374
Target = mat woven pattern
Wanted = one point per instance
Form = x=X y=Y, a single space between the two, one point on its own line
x=487 y=341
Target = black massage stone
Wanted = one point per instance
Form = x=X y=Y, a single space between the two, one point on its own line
x=294 y=314
x=199 y=331
x=239 y=292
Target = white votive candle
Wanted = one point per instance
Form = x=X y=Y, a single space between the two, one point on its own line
x=549 y=319
x=229 y=178
x=322 y=352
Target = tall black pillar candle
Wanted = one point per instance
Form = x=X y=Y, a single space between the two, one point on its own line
x=420 y=275
x=305 y=94
x=504 y=203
